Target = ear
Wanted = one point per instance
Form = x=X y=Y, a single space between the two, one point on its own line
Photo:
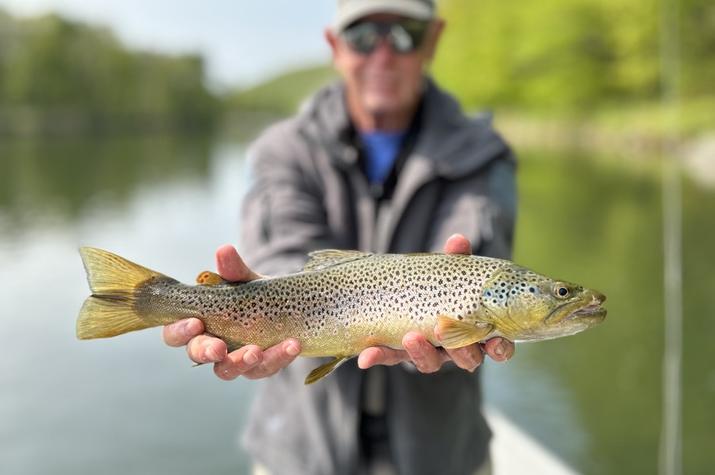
x=331 y=37
x=432 y=39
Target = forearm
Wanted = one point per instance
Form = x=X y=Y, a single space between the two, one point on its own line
x=282 y=218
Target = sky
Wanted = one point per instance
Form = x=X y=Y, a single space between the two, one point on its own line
x=243 y=42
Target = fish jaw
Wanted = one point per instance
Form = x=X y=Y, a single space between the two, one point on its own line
x=581 y=313
x=592 y=312
x=586 y=307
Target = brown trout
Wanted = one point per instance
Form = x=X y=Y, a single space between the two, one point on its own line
x=343 y=302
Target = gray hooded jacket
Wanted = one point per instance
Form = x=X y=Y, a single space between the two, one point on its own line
x=308 y=192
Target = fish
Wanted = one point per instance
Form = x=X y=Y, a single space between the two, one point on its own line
x=344 y=301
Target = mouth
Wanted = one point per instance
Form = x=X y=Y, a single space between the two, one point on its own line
x=593 y=311
x=589 y=312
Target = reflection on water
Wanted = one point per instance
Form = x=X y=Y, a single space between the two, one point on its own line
x=129 y=405
x=600 y=224
x=63 y=177
x=132 y=405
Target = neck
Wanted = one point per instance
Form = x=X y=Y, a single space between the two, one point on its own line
x=387 y=121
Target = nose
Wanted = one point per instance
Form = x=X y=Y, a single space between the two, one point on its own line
x=383 y=51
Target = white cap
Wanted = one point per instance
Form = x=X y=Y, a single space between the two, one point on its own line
x=352 y=10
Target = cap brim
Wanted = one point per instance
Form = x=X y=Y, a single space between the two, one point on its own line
x=357 y=10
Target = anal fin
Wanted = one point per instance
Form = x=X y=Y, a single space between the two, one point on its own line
x=456 y=334
x=324 y=370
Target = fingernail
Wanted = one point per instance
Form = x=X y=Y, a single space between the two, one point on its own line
x=292 y=349
x=500 y=349
x=250 y=358
x=362 y=364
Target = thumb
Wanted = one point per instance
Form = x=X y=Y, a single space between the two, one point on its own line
x=457 y=244
x=231 y=267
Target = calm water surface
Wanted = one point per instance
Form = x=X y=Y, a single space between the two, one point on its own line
x=132 y=405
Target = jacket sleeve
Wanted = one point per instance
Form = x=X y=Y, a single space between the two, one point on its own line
x=283 y=216
x=502 y=201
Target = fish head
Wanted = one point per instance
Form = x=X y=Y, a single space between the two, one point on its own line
x=524 y=305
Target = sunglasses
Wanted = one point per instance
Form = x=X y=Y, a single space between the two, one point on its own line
x=403 y=36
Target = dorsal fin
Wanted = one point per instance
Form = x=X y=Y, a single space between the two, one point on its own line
x=210 y=278
x=332 y=257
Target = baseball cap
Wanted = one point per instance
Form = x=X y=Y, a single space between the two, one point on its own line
x=351 y=10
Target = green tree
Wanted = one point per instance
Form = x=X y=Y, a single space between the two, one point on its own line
x=569 y=55
x=65 y=71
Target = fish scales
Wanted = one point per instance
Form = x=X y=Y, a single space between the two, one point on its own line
x=373 y=301
x=345 y=301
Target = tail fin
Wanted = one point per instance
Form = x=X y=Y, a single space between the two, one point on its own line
x=110 y=310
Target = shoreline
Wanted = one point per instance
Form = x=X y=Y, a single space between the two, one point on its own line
x=696 y=153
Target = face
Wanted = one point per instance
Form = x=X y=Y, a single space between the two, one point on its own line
x=383 y=81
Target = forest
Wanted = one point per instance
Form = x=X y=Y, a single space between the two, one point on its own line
x=61 y=76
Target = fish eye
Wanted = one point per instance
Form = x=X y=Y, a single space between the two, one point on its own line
x=562 y=291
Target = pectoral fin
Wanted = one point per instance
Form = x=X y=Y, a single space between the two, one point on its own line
x=456 y=334
x=210 y=278
x=324 y=370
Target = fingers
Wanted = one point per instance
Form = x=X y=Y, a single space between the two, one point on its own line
x=231 y=267
x=426 y=357
x=499 y=349
x=468 y=358
x=457 y=244
x=179 y=333
x=274 y=359
x=206 y=349
x=238 y=362
x=381 y=355
x=248 y=361
x=200 y=348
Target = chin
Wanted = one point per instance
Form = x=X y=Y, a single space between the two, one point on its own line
x=379 y=104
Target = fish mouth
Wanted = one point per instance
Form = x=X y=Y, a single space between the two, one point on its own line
x=592 y=312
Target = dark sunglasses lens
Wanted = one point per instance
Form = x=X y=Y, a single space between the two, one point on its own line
x=403 y=37
x=362 y=37
x=401 y=40
x=416 y=30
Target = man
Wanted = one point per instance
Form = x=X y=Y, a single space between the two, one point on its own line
x=384 y=161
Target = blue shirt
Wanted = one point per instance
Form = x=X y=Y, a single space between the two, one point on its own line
x=381 y=149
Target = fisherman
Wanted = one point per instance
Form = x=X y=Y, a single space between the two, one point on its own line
x=382 y=161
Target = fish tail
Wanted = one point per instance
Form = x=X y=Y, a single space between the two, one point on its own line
x=111 y=309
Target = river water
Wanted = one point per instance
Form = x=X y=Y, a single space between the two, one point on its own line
x=133 y=405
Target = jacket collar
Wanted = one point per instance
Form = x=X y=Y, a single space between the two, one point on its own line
x=449 y=144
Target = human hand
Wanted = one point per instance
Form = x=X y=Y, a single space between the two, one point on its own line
x=248 y=361
x=428 y=358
